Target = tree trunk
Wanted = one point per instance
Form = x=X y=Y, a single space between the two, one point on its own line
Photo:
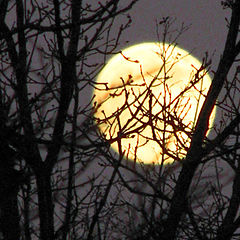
x=10 y=179
x=9 y=214
x=45 y=205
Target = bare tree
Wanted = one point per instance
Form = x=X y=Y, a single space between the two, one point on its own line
x=60 y=178
x=198 y=150
x=45 y=68
x=186 y=201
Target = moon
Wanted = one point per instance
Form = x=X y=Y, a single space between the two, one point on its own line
x=148 y=98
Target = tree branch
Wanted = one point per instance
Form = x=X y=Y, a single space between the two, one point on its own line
x=196 y=153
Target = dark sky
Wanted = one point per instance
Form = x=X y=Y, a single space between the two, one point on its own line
x=207 y=18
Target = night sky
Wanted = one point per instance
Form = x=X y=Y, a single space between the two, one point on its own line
x=207 y=19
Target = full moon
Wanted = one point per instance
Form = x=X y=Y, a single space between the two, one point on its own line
x=147 y=99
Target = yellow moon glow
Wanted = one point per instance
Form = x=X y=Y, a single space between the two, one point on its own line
x=148 y=98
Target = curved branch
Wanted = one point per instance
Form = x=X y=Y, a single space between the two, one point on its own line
x=196 y=153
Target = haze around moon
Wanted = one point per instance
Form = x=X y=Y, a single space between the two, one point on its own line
x=147 y=98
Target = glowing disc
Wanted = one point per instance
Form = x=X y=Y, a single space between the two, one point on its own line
x=148 y=98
